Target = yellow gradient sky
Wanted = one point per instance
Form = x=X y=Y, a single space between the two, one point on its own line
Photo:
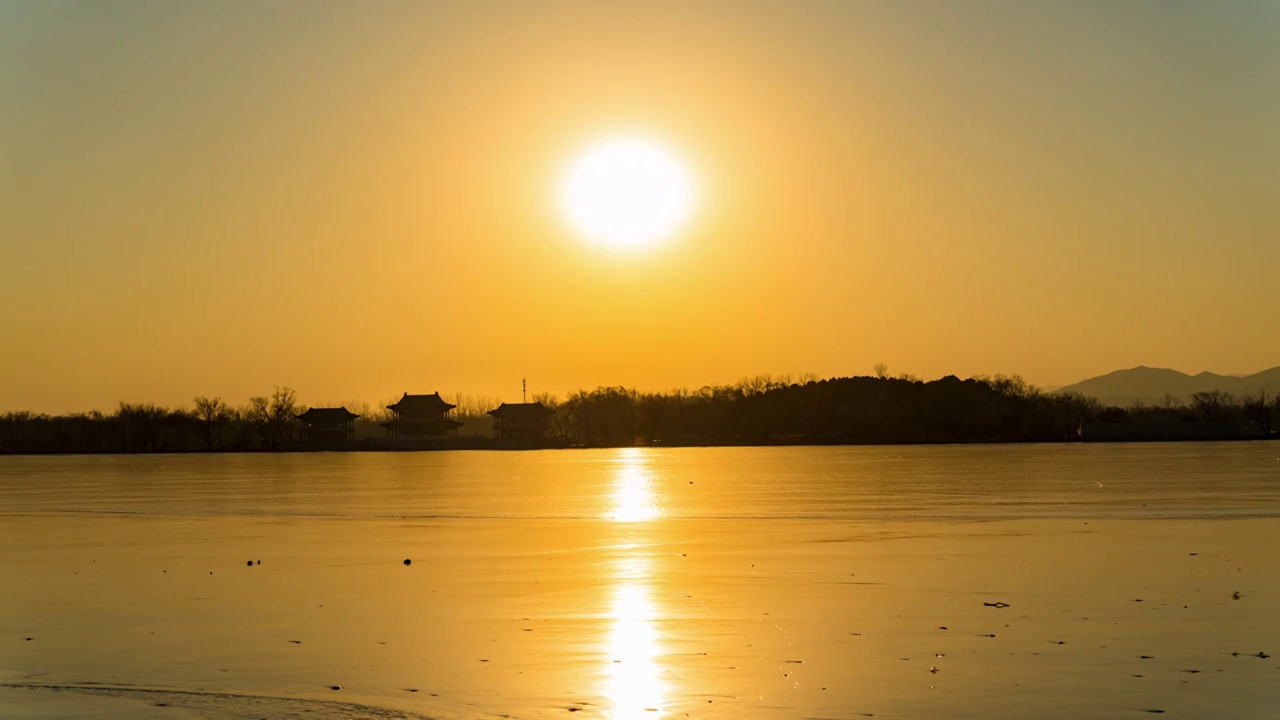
x=359 y=199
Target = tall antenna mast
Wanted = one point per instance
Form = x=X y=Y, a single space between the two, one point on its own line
x=524 y=390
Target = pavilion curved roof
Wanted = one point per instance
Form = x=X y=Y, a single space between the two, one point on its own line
x=421 y=403
x=521 y=410
x=322 y=414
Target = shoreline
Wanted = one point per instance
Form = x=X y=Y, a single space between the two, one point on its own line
x=493 y=445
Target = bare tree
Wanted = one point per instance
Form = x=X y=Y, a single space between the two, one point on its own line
x=472 y=406
x=559 y=413
x=1258 y=411
x=1211 y=404
x=459 y=401
x=144 y=425
x=284 y=405
x=273 y=417
x=1072 y=410
x=882 y=371
x=1012 y=386
x=258 y=414
x=359 y=407
x=756 y=384
x=178 y=424
x=212 y=414
x=243 y=428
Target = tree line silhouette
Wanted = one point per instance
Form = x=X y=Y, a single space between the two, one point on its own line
x=754 y=411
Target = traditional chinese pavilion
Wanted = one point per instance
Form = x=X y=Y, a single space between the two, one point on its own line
x=328 y=425
x=421 y=416
x=528 y=421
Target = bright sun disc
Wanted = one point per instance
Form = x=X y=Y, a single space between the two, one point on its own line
x=627 y=193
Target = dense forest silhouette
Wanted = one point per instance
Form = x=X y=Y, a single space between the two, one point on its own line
x=762 y=410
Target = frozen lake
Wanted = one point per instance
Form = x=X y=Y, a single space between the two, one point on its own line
x=645 y=583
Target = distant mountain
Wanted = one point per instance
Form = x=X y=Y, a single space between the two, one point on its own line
x=1150 y=385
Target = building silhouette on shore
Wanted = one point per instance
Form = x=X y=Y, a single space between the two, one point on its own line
x=421 y=416
x=522 y=421
x=328 y=425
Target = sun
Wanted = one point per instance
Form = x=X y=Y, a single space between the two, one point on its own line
x=627 y=193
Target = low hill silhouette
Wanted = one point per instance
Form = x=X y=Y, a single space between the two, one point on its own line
x=1150 y=385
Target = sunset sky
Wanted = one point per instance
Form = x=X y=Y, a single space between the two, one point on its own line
x=361 y=199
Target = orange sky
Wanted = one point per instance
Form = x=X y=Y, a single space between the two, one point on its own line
x=359 y=199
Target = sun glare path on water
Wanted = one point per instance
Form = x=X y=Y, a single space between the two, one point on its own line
x=633 y=496
x=627 y=193
x=636 y=688
x=634 y=677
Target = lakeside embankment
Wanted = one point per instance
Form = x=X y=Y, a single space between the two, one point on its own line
x=839 y=411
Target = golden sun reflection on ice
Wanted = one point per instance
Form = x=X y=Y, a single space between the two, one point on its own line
x=633 y=499
x=634 y=685
x=635 y=688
